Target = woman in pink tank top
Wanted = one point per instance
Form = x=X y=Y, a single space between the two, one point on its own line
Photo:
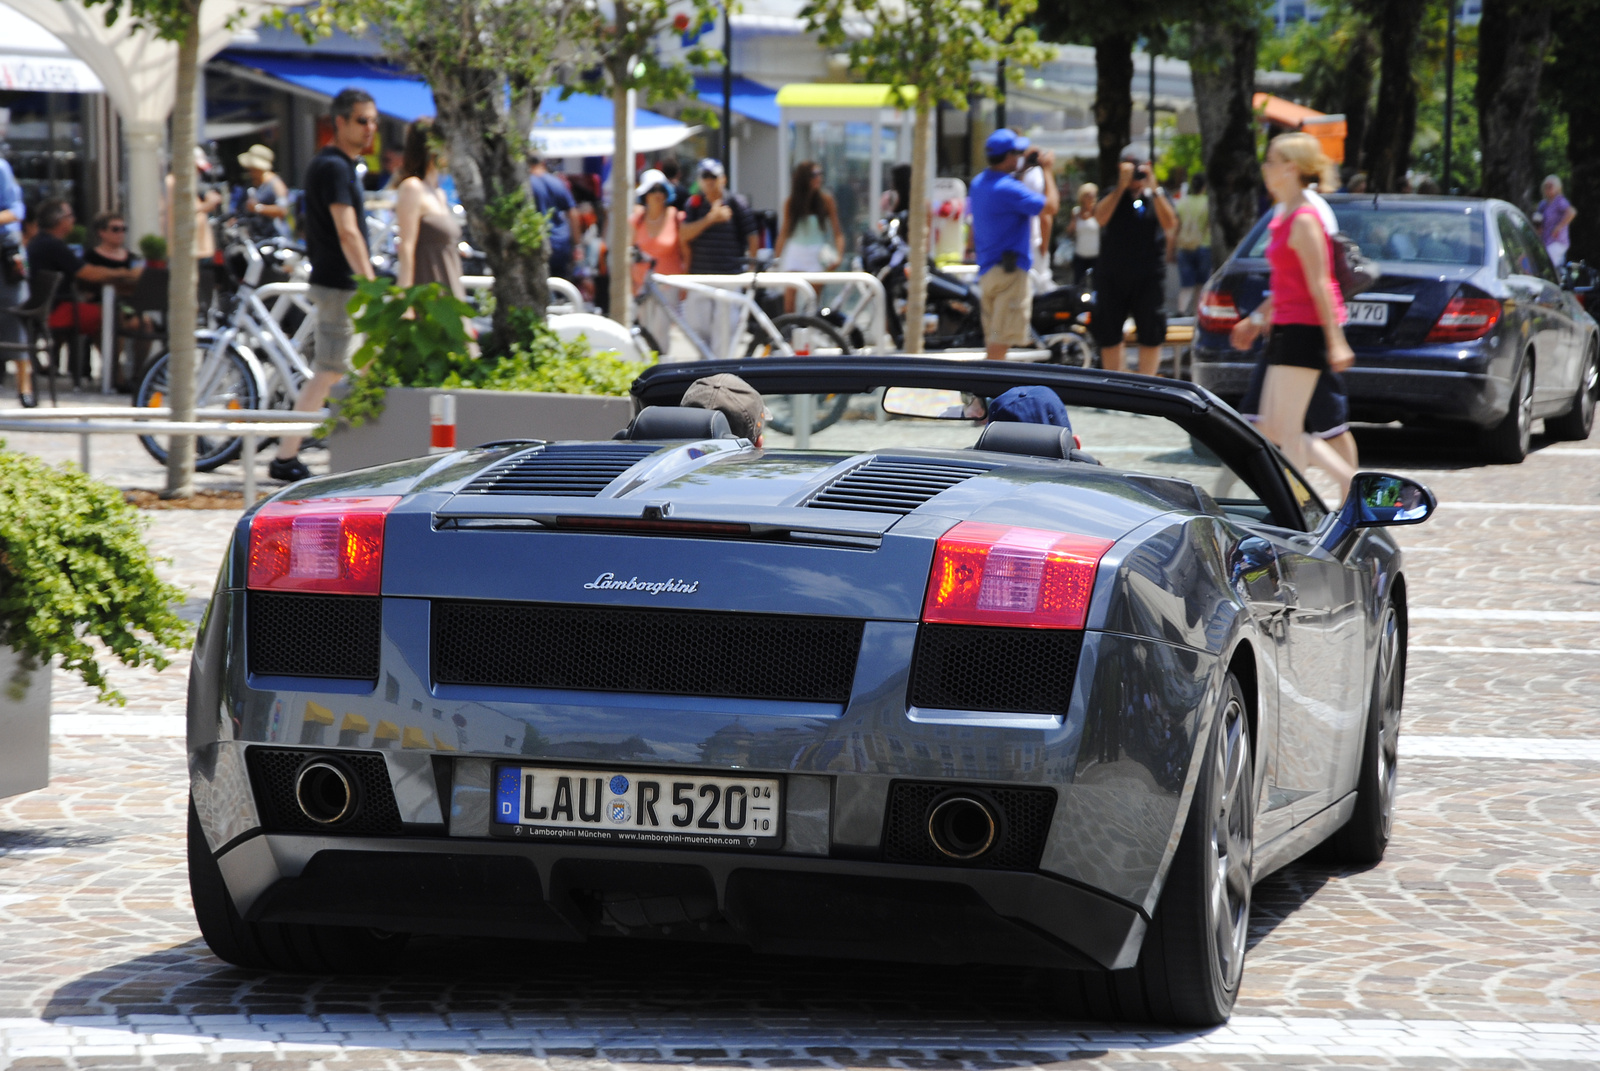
x=1304 y=312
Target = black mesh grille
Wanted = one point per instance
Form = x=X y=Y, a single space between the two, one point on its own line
x=674 y=652
x=1024 y=815
x=315 y=635
x=580 y=470
x=893 y=485
x=273 y=770
x=974 y=667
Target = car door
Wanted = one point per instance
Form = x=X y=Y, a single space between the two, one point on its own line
x=1536 y=300
x=1557 y=305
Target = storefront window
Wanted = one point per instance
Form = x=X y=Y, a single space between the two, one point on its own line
x=45 y=147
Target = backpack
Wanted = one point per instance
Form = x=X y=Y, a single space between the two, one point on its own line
x=1355 y=271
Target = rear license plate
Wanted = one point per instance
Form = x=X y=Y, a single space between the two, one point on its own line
x=653 y=810
x=1369 y=313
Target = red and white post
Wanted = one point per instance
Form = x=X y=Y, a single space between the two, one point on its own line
x=441 y=423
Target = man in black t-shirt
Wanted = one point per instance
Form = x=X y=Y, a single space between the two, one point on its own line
x=336 y=245
x=1135 y=218
x=49 y=252
x=718 y=230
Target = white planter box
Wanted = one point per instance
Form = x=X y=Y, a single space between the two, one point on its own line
x=481 y=416
x=24 y=729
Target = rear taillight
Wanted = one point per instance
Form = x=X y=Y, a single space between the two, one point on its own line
x=997 y=574
x=326 y=544
x=1217 y=312
x=1464 y=319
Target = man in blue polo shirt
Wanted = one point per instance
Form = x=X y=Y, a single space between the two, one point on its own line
x=1002 y=208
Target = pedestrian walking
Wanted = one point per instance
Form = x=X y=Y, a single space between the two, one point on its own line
x=1304 y=313
x=655 y=234
x=1554 y=217
x=1129 y=280
x=810 y=238
x=717 y=230
x=13 y=277
x=1003 y=209
x=1194 y=242
x=207 y=201
x=336 y=245
x=1084 y=230
x=429 y=242
x=551 y=195
x=266 y=202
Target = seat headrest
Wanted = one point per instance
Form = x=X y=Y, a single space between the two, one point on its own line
x=1036 y=440
x=673 y=422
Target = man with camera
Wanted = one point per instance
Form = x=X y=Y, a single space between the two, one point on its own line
x=1003 y=209
x=1135 y=218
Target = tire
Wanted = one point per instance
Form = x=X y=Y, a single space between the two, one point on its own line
x=1576 y=423
x=827 y=410
x=1362 y=840
x=294 y=948
x=1508 y=442
x=800 y=332
x=236 y=388
x=1192 y=962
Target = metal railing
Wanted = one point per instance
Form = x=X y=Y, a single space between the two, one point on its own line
x=84 y=421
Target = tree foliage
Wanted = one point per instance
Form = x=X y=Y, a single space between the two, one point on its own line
x=927 y=51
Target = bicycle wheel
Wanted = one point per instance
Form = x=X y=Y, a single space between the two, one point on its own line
x=235 y=388
x=807 y=336
x=644 y=339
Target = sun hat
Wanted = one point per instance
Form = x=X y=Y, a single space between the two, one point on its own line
x=257 y=156
x=651 y=180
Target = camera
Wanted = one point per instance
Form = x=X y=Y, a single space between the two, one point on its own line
x=1031 y=159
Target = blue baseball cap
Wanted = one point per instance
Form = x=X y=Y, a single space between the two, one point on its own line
x=1003 y=141
x=1030 y=405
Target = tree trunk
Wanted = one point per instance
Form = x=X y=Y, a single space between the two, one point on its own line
x=181 y=299
x=1355 y=96
x=1576 y=80
x=620 y=245
x=1513 y=40
x=489 y=161
x=1113 y=101
x=1388 y=148
x=1224 y=73
x=917 y=221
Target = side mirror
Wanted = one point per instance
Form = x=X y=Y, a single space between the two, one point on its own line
x=1379 y=500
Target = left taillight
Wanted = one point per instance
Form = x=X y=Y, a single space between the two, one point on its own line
x=325 y=544
x=997 y=574
x=1465 y=318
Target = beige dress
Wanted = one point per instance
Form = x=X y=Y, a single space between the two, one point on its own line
x=438 y=252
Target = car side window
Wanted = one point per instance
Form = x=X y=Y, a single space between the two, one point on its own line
x=1538 y=256
x=1512 y=246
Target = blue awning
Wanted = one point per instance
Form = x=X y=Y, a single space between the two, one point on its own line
x=587 y=110
x=397 y=94
x=750 y=99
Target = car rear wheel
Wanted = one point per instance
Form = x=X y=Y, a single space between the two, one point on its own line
x=294 y=948
x=1363 y=839
x=1192 y=962
x=1508 y=442
x=1576 y=423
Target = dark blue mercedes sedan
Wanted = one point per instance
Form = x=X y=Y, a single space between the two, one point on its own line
x=1468 y=326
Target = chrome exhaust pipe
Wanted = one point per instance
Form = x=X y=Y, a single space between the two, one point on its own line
x=325 y=792
x=963 y=827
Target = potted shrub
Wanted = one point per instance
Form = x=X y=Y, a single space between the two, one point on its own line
x=73 y=568
x=416 y=344
x=153 y=248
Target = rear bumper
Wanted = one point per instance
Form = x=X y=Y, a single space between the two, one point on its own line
x=773 y=904
x=1430 y=387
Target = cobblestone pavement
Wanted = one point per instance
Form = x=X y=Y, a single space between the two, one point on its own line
x=1476 y=944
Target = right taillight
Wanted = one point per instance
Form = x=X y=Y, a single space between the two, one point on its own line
x=1465 y=318
x=1217 y=312
x=329 y=545
x=1000 y=574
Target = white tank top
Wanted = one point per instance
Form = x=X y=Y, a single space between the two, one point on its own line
x=1086 y=238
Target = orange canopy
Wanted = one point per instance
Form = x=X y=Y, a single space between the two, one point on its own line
x=1328 y=129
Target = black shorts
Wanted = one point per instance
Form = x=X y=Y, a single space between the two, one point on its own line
x=1328 y=414
x=1115 y=300
x=1298 y=345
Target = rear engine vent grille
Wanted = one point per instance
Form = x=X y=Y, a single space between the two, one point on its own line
x=893 y=485
x=1024 y=819
x=673 y=652
x=273 y=770
x=580 y=470
x=315 y=635
x=1014 y=670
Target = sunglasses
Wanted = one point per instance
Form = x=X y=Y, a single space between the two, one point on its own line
x=117 y=228
x=365 y=121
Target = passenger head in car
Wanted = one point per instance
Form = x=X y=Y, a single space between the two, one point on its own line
x=1030 y=405
x=733 y=398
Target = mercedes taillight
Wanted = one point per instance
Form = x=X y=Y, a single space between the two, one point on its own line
x=998 y=574
x=1217 y=311
x=1465 y=318
x=323 y=545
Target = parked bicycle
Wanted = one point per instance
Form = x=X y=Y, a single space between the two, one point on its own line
x=248 y=363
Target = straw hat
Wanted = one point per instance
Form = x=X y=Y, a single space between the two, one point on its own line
x=257 y=156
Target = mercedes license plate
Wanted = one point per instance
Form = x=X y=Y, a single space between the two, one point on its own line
x=654 y=810
x=1367 y=313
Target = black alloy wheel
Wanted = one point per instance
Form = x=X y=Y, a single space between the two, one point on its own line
x=1576 y=423
x=1509 y=441
x=1363 y=840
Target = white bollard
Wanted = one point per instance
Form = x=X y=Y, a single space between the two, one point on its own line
x=441 y=423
